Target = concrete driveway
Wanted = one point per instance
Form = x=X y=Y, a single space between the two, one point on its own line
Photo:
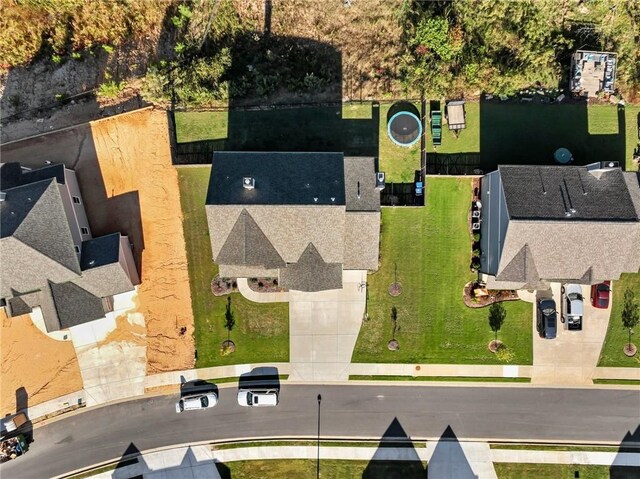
x=570 y=358
x=323 y=329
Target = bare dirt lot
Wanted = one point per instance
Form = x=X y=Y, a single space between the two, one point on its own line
x=44 y=367
x=128 y=184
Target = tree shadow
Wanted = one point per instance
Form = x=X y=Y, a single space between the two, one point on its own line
x=396 y=457
x=513 y=132
x=630 y=445
x=448 y=460
x=294 y=86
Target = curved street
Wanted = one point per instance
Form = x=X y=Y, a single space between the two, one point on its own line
x=424 y=412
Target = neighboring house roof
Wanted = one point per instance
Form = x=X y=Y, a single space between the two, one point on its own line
x=311 y=273
x=12 y=175
x=549 y=192
x=40 y=267
x=75 y=305
x=100 y=251
x=362 y=240
x=281 y=179
x=34 y=214
x=559 y=223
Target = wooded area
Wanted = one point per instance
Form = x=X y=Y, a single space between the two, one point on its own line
x=211 y=52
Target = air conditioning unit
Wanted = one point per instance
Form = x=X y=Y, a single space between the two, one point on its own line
x=380 y=180
x=609 y=164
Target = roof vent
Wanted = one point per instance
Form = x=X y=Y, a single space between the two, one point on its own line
x=315 y=200
x=3 y=196
x=248 y=182
x=358 y=190
x=92 y=262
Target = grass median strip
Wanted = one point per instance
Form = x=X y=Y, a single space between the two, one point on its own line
x=277 y=443
x=631 y=382
x=546 y=447
x=358 y=377
x=550 y=471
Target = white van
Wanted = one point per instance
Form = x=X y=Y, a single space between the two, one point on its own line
x=197 y=401
x=258 y=397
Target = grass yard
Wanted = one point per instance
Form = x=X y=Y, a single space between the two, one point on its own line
x=329 y=469
x=201 y=125
x=469 y=139
x=398 y=162
x=618 y=336
x=553 y=471
x=431 y=247
x=520 y=133
x=261 y=333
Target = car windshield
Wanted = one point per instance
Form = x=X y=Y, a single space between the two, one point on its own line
x=574 y=296
x=204 y=400
x=548 y=311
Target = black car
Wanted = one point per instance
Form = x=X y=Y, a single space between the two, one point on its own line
x=547 y=321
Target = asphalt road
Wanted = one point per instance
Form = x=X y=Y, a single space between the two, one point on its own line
x=600 y=415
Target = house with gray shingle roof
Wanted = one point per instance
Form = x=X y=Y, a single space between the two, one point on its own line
x=300 y=217
x=542 y=224
x=51 y=264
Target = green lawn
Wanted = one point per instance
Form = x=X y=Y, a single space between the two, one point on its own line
x=431 y=248
x=468 y=141
x=201 y=125
x=632 y=113
x=526 y=133
x=261 y=333
x=617 y=336
x=329 y=469
x=470 y=379
x=552 y=471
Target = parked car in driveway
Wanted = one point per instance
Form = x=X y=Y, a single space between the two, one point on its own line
x=600 y=295
x=547 y=321
x=258 y=397
x=197 y=401
x=573 y=306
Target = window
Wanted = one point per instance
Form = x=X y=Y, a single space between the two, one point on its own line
x=85 y=231
x=77 y=248
x=76 y=199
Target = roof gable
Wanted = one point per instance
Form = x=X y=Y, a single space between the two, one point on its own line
x=521 y=268
x=311 y=273
x=248 y=245
x=75 y=305
x=44 y=227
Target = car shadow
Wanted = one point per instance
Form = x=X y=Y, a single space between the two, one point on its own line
x=198 y=386
x=261 y=378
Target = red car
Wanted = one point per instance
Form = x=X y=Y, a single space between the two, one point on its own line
x=600 y=294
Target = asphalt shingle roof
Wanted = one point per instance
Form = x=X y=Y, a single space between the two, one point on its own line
x=311 y=273
x=100 y=251
x=280 y=179
x=75 y=305
x=549 y=192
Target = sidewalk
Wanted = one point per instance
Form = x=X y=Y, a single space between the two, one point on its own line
x=251 y=295
x=446 y=459
x=453 y=370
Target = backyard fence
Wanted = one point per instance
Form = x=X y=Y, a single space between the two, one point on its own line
x=453 y=164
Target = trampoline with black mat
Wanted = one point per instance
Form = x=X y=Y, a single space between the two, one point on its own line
x=404 y=126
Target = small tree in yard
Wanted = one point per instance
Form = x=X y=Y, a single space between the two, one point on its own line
x=630 y=317
x=229 y=319
x=228 y=346
x=497 y=315
x=393 y=344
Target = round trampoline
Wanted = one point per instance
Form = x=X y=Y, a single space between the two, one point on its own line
x=404 y=128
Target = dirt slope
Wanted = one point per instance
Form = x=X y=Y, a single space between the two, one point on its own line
x=46 y=368
x=133 y=188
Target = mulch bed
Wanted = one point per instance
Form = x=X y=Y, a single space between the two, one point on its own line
x=395 y=289
x=265 y=285
x=393 y=345
x=494 y=345
x=493 y=296
x=630 y=350
x=221 y=286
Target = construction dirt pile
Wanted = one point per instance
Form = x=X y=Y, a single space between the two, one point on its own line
x=130 y=185
x=44 y=367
